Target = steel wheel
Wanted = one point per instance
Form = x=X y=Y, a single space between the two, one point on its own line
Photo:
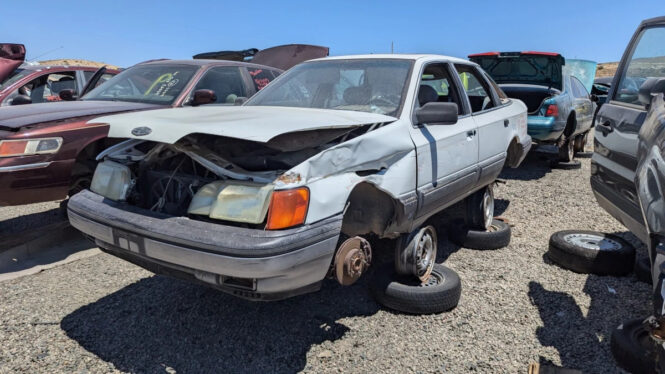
x=418 y=256
x=488 y=207
x=593 y=242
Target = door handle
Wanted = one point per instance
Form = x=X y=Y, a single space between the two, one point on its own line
x=471 y=133
x=506 y=123
x=605 y=128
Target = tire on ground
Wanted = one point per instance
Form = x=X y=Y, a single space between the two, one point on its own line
x=591 y=252
x=497 y=236
x=632 y=348
x=406 y=294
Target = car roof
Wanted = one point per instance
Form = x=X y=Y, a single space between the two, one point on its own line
x=398 y=56
x=69 y=67
x=197 y=62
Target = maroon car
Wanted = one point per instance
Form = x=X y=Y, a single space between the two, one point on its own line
x=21 y=83
x=47 y=151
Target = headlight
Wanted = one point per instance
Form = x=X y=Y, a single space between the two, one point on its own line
x=10 y=148
x=111 y=180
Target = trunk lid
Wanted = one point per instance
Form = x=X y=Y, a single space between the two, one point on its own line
x=11 y=57
x=537 y=68
x=281 y=57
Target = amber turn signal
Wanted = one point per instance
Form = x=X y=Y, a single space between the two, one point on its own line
x=288 y=208
x=12 y=148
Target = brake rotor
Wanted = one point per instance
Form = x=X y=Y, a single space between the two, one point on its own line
x=352 y=259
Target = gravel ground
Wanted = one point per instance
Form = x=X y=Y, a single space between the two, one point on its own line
x=101 y=314
x=14 y=219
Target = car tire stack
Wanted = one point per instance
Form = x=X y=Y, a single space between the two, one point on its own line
x=591 y=252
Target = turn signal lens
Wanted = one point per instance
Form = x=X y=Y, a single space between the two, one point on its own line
x=12 y=148
x=288 y=208
x=552 y=111
x=9 y=148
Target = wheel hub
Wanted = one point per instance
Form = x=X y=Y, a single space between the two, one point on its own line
x=352 y=259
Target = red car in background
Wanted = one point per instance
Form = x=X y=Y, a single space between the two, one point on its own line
x=47 y=150
x=21 y=83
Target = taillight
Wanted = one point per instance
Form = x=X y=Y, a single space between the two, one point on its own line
x=288 y=208
x=552 y=111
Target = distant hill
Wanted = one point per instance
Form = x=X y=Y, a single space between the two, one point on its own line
x=76 y=62
x=606 y=69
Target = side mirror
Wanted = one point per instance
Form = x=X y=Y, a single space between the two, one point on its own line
x=649 y=88
x=593 y=97
x=437 y=114
x=202 y=97
x=239 y=101
x=67 y=94
x=21 y=100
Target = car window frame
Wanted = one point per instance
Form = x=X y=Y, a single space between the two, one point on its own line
x=577 y=85
x=486 y=85
x=455 y=83
x=623 y=68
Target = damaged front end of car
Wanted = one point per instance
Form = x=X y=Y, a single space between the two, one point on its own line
x=295 y=192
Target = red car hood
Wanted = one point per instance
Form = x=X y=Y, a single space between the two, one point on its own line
x=14 y=117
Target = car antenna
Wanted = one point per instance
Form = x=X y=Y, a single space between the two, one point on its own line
x=45 y=53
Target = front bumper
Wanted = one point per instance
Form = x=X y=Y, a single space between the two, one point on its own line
x=249 y=263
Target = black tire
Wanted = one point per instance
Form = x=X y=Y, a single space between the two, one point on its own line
x=643 y=270
x=590 y=252
x=498 y=236
x=406 y=294
x=567 y=151
x=572 y=165
x=632 y=348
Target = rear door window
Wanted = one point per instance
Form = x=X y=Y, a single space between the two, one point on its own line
x=647 y=60
x=45 y=88
x=476 y=88
x=579 y=90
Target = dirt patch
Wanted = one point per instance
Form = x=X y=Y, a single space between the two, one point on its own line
x=606 y=69
x=76 y=62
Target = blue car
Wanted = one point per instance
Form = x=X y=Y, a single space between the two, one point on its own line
x=555 y=91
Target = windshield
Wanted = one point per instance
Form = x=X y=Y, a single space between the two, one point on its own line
x=367 y=85
x=14 y=77
x=151 y=84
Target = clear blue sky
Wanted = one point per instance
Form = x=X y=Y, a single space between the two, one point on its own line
x=125 y=32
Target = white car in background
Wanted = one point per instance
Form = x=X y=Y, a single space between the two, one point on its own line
x=266 y=199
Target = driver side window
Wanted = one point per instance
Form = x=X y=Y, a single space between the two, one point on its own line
x=45 y=88
x=436 y=86
x=646 y=61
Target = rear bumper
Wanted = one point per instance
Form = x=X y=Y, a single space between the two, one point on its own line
x=524 y=148
x=544 y=129
x=249 y=263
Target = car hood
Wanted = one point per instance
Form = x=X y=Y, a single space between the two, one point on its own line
x=14 y=117
x=583 y=70
x=255 y=123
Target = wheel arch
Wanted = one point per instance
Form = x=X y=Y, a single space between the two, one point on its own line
x=370 y=210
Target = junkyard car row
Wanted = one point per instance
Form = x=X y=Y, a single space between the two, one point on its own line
x=262 y=183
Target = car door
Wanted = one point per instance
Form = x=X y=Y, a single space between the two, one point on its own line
x=582 y=104
x=493 y=126
x=447 y=154
x=618 y=123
